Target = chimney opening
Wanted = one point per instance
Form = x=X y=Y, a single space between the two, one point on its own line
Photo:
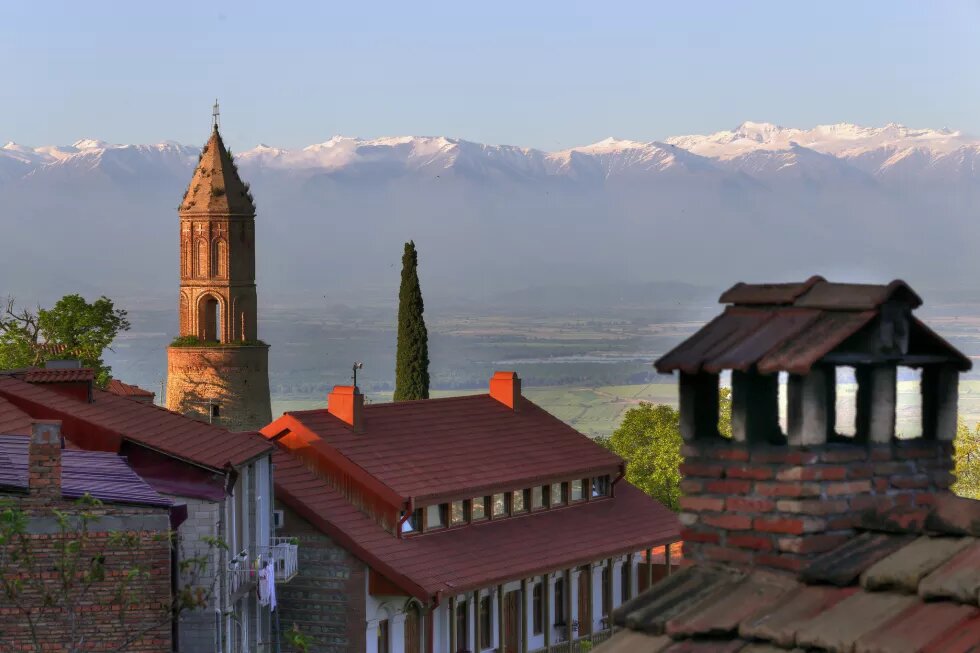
x=846 y=406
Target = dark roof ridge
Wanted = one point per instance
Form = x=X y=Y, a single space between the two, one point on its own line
x=392 y=404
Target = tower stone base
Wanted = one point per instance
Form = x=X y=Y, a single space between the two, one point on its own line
x=228 y=386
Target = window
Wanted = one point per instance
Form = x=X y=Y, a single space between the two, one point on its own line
x=560 y=602
x=413 y=523
x=485 y=623
x=462 y=626
x=537 y=614
x=457 y=513
x=383 y=640
x=578 y=493
x=557 y=494
x=519 y=500
x=478 y=508
x=625 y=582
x=606 y=590
x=500 y=505
x=537 y=497
x=435 y=516
x=600 y=486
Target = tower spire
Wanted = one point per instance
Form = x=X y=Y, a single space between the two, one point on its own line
x=215 y=114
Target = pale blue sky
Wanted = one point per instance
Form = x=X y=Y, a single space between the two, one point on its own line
x=543 y=74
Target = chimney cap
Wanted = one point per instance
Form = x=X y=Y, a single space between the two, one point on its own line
x=345 y=390
x=500 y=374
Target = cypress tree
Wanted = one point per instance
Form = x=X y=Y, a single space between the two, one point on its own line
x=412 y=358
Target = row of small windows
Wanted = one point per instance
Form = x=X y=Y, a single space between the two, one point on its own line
x=504 y=504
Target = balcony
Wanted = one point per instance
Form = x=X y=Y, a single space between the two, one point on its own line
x=579 y=644
x=243 y=570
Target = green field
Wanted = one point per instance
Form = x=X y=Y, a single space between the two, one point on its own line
x=597 y=411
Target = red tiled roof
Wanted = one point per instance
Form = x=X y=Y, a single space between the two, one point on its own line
x=77 y=375
x=441 y=448
x=13 y=420
x=117 y=387
x=913 y=588
x=109 y=419
x=789 y=327
x=475 y=556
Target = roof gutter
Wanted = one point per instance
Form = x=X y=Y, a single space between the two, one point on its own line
x=621 y=476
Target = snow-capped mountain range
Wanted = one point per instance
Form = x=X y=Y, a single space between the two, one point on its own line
x=758 y=202
x=760 y=150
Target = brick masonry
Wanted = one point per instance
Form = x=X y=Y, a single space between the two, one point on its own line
x=234 y=377
x=99 y=615
x=780 y=506
x=196 y=629
x=327 y=598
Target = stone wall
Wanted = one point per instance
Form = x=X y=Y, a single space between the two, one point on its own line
x=327 y=598
x=99 y=616
x=236 y=378
x=780 y=506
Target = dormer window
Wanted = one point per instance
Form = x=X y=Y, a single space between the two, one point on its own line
x=457 y=513
x=519 y=501
x=500 y=505
x=435 y=516
x=537 y=497
x=414 y=522
x=600 y=486
x=478 y=509
x=557 y=495
x=578 y=491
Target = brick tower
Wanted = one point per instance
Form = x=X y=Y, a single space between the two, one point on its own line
x=217 y=369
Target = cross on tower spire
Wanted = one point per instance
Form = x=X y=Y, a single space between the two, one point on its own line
x=215 y=113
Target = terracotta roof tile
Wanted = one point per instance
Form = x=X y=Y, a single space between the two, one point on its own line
x=789 y=327
x=759 y=591
x=628 y=641
x=438 y=447
x=479 y=555
x=117 y=387
x=781 y=625
x=838 y=628
x=958 y=579
x=962 y=639
x=109 y=419
x=902 y=570
x=707 y=646
x=675 y=595
x=844 y=565
x=911 y=630
x=79 y=375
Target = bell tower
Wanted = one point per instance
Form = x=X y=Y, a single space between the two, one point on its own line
x=217 y=368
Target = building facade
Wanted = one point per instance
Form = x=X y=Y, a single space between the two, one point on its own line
x=221 y=480
x=217 y=368
x=462 y=524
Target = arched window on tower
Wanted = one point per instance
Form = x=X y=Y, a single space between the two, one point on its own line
x=210 y=310
x=219 y=264
x=201 y=258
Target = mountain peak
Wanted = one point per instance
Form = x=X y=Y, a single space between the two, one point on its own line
x=89 y=144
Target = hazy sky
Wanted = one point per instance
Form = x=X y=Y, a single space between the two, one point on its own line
x=544 y=74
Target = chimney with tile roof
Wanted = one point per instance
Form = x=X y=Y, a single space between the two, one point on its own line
x=505 y=387
x=44 y=460
x=772 y=499
x=346 y=403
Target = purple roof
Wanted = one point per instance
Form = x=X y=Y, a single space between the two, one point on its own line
x=104 y=475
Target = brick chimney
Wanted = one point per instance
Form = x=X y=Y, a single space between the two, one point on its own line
x=766 y=498
x=505 y=387
x=346 y=402
x=44 y=460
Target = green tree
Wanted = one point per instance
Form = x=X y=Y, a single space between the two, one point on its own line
x=967 y=461
x=649 y=440
x=72 y=328
x=412 y=357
